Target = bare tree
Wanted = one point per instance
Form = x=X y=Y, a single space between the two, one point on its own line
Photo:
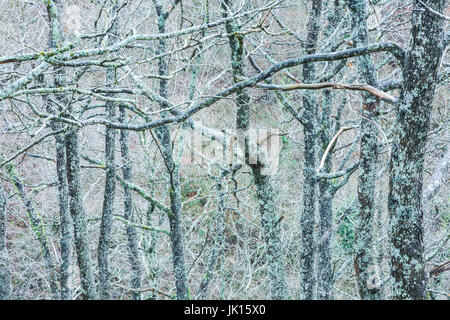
x=368 y=157
x=102 y=104
x=5 y=276
x=420 y=72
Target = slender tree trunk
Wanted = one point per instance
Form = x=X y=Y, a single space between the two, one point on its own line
x=327 y=191
x=56 y=39
x=164 y=136
x=38 y=229
x=108 y=204
x=307 y=220
x=132 y=237
x=108 y=199
x=149 y=247
x=78 y=215
x=364 y=262
x=408 y=152
x=219 y=243
x=5 y=275
x=176 y=230
x=65 y=219
x=326 y=195
x=270 y=221
x=267 y=208
x=110 y=179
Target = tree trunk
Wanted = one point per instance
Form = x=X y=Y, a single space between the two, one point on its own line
x=56 y=39
x=408 y=152
x=176 y=230
x=108 y=198
x=219 y=242
x=132 y=237
x=78 y=215
x=5 y=275
x=267 y=208
x=307 y=220
x=65 y=219
x=110 y=179
x=364 y=262
x=38 y=230
x=164 y=136
x=270 y=222
x=326 y=195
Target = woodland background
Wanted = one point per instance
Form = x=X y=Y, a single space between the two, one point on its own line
x=96 y=102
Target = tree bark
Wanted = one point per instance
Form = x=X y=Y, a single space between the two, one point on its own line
x=65 y=219
x=110 y=179
x=5 y=275
x=267 y=207
x=219 y=242
x=164 y=136
x=364 y=262
x=38 y=230
x=78 y=215
x=308 y=278
x=270 y=221
x=132 y=236
x=326 y=195
x=56 y=39
x=327 y=191
x=420 y=72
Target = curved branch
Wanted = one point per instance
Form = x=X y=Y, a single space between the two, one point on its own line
x=333 y=85
x=330 y=145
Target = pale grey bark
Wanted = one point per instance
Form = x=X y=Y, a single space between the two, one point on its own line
x=110 y=179
x=134 y=255
x=308 y=278
x=270 y=221
x=164 y=137
x=327 y=190
x=219 y=241
x=364 y=260
x=269 y=217
x=108 y=207
x=149 y=245
x=78 y=215
x=56 y=39
x=5 y=274
x=38 y=230
x=420 y=74
x=325 y=199
x=175 y=216
x=65 y=219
